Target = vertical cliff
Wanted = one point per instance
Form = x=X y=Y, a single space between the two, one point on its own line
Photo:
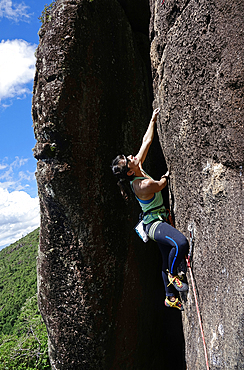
x=99 y=287
x=197 y=62
x=97 y=76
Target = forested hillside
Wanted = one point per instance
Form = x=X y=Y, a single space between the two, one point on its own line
x=17 y=278
x=23 y=337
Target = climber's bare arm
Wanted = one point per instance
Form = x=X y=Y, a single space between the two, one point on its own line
x=147 y=138
x=145 y=189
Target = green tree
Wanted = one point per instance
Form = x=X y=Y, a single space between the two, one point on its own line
x=27 y=348
x=23 y=335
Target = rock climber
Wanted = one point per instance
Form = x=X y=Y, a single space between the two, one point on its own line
x=172 y=243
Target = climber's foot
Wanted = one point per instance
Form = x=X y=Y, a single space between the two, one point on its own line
x=177 y=283
x=173 y=303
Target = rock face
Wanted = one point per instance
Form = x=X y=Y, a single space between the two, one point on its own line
x=197 y=65
x=99 y=287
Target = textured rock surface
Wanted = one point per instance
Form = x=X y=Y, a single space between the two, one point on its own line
x=100 y=290
x=197 y=62
x=99 y=287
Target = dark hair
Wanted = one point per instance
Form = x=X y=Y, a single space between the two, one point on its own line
x=120 y=171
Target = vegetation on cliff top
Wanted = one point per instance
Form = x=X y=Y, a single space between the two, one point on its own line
x=45 y=16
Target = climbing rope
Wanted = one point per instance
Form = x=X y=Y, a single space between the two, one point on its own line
x=188 y=260
x=241 y=185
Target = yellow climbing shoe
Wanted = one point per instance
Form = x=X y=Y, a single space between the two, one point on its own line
x=177 y=283
x=175 y=304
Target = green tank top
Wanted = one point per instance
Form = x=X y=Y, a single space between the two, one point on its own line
x=154 y=202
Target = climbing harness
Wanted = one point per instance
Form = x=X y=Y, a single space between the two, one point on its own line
x=158 y=212
x=139 y=228
x=188 y=260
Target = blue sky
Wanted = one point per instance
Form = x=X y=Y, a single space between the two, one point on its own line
x=19 y=207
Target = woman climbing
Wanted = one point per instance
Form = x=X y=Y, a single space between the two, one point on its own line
x=172 y=243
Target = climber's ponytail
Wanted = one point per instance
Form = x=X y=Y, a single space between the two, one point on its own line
x=120 y=171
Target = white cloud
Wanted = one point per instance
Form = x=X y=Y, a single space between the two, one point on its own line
x=19 y=215
x=11 y=176
x=17 y=67
x=19 y=212
x=14 y=11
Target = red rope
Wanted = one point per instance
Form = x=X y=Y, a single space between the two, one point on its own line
x=188 y=260
x=199 y=319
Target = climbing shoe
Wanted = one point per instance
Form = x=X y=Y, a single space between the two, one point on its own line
x=177 y=283
x=175 y=304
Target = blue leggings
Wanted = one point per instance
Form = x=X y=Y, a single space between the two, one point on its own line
x=173 y=246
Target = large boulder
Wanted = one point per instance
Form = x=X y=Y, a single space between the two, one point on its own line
x=99 y=287
x=197 y=66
